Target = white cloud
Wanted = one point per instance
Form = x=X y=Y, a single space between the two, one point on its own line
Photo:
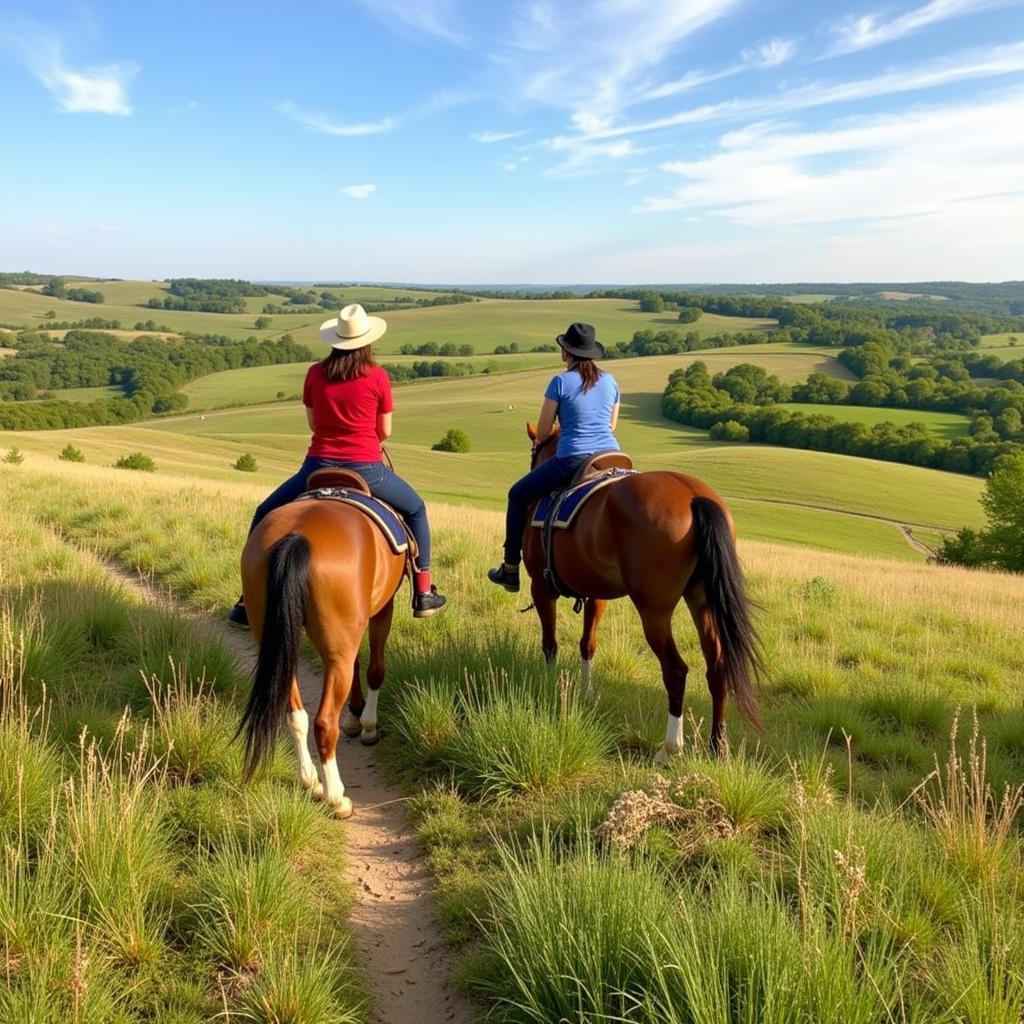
x=95 y=90
x=861 y=32
x=767 y=55
x=967 y=65
x=325 y=125
x=489 y=137
x=415 y=17
x=359 y=191
x=924 y=162
x=591 y=58
x=581 y=155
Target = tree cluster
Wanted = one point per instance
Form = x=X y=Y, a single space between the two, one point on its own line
x=207 y=295
x=433 y=348
x=747 y=396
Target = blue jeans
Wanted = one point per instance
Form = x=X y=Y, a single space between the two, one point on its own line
x=548 y=476
x=383 y=483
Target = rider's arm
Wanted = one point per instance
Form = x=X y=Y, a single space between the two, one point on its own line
x=546 y=420
x=309 y=418
x=383 y=425
x=615 y=416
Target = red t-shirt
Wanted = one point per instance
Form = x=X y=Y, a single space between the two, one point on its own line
x=345 y=414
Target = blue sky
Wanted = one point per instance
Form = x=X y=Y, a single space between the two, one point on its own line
x=535 y=141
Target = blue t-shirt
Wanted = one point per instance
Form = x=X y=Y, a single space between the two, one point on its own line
x=585 y=419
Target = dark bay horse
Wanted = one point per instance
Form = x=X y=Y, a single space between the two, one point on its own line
x=324 y=565
x=655 y=538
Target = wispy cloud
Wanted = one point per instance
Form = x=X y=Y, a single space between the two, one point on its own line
x=415 y=17
x=964 y=66
x=359 y=191
x=102 y=89
x=767 y=55
x=324 y=124
x=580 y=156
x=907 y=163
x=861 y=32
x=489 y=137
x=591 y=58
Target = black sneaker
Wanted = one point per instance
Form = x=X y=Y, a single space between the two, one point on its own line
x=237 y=617
x=427 y=603
x=505 y=577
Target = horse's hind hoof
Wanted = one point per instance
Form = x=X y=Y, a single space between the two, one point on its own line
x=368 y=739
x=350 y=725
x=343 y=808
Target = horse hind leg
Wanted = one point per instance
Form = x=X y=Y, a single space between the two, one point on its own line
x=350 y=717
x=298 y=726
x=711 y=648
x=380 y=630
x=593 y=609
x=326 y=728
x=658 y=632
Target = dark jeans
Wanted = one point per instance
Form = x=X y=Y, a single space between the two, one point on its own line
x=383 y=483
x=548 y=476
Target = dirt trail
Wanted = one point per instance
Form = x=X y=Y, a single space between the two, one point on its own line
x=401 y=950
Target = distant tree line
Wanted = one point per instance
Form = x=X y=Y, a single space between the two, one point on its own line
x=56 y=287
x=433 y=348
x=148 y=370
x=207 y=295
x=672 y=341
x=310 y=301
x=420 y=369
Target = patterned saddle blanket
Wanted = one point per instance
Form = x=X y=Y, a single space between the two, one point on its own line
x=562 y=507
x=386 y=518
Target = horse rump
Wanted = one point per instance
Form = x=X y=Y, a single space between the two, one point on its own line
x=718 y=569
x=287 y=588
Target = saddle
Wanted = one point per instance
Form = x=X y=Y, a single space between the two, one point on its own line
x=348 y=487
x=558 y=510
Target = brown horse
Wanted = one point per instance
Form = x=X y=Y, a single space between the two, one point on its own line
x=655 y=538
x=324 y=565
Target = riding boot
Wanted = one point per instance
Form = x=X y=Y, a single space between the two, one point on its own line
x=505 y=576
x=426 y=601
x=238 y=617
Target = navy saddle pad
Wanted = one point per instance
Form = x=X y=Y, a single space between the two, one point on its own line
x=572 y=500
x=389 y=521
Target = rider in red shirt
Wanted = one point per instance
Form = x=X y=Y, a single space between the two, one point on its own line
x=348 y=407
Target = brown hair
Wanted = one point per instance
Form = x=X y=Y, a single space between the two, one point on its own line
x=339 y=365
x=588 y=371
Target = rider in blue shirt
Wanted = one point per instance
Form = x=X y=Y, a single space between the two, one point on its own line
x=585 y=401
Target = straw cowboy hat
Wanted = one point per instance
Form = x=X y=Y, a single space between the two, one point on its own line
x=352 y=329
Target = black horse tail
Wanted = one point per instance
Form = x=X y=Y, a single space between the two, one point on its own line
x=718 y=568
x=287 y=586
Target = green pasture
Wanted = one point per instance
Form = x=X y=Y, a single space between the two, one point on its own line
x=1004 y=341
x=946 y=425
x=809 y=498
x=859 y=860
x=86 y=394
x=492 y=322
x=27 y=309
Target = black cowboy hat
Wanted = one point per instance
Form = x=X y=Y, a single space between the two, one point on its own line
x=579 y=341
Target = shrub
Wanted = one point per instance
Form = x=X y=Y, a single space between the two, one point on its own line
x=687 y=314
x=454 y=441
x=729 y=430
x=69 y=453
x=246 y=463
x=136 y=460
x=14 y=457
x=262 y=323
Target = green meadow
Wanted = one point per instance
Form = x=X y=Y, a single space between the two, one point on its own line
x=860 y=860
x=947 y=425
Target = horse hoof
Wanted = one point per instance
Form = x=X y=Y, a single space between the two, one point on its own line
x=368 y=739
x=350 y=725
x=315 y=789
x=665 y=754
x=343 y=808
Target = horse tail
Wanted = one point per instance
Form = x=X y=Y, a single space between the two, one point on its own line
x=287 y=587
x=718 y=568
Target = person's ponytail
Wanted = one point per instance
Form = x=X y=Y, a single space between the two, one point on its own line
x=588 y=371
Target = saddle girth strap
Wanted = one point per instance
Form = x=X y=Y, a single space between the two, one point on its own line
x=555 y=583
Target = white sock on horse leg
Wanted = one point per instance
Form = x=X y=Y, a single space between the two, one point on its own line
x=585 y=675
x=673 y=734
x=369 y=715
x=334 y=788
x=298 y=726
